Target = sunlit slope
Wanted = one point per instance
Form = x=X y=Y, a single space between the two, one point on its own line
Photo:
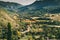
x=5 y=18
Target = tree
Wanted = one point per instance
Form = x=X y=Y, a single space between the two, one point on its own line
x=9 y=33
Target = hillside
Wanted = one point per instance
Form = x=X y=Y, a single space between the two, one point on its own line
x=5 y=18
x=43 y=7
x=10 y=5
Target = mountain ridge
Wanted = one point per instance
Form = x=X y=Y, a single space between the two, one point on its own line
x=36 y=6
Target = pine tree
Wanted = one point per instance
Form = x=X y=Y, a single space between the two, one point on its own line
x=9 y=33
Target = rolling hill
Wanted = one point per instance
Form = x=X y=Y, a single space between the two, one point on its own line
x=5 y=18
x=37 y=8
x=42 y=6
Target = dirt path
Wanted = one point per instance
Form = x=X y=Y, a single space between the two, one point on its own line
x=28 y=29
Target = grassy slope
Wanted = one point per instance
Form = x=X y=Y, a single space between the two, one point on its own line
x=5 y=18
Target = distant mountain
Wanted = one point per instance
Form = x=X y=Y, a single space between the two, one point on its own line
x=42 y=6
x=49 y=6
x=10 y=5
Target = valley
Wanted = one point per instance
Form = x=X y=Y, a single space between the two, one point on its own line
x=38 y=21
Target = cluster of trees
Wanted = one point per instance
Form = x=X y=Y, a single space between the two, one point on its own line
x=48 y=32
